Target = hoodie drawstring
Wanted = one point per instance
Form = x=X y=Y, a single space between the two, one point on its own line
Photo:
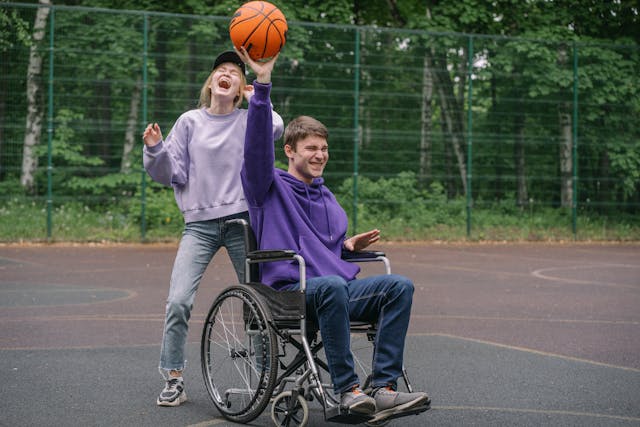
x=326 y=213
x=324 y=203
x=306 y=189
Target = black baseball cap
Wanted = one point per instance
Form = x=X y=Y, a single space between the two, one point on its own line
x=230 y=56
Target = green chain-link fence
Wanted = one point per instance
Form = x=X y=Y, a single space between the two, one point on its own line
x=425 y=128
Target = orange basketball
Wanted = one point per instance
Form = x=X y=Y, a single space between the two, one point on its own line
x=260 y=27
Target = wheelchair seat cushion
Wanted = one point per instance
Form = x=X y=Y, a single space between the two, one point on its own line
x=285 y=306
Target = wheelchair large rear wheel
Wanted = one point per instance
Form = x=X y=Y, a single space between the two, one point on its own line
x=238 y=354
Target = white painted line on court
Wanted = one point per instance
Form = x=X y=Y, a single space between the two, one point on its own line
x=535 y=411
x=529 y=350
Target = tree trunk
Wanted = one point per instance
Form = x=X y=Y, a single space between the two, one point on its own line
x=566 y=158
x=364 y=131
x=192 y=71
x=448 y=163
x=451 y=113
x=565 y=149
x=425 y=129
x=603 y=188
x=35 y=112
x=498 y=181
x=453 y=125
x=102 y=130
x=132 y=123
x=160 y=93
x=4 y=93
x=522 y=195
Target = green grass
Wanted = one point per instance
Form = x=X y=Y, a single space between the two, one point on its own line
x=25 y=220
x=22 y=220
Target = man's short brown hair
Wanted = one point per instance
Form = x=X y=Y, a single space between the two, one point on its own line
x=302 y=127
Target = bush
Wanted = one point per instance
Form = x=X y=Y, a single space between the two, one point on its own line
x=397 y=205
x=162 y=216
x=399 y=208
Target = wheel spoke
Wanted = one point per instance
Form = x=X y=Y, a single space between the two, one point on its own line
x=238 y=354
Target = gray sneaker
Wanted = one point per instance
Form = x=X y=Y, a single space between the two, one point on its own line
x=390 y=402
x=356 y=401
x=173 y=393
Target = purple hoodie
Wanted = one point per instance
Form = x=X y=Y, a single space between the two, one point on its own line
x=287 y=213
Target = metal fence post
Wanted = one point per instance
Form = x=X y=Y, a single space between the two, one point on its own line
x=50 y=129
x=574 y=202
x=143 y=179
x=356 y=127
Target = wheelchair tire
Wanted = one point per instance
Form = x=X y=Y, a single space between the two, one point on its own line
x=287 y=411
x=238 y=354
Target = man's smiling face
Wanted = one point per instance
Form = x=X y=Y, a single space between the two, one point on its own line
x=308 y=159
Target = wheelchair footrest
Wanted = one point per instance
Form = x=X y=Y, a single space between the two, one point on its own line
x=338 y=414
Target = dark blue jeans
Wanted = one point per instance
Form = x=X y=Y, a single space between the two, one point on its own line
x=386 y=299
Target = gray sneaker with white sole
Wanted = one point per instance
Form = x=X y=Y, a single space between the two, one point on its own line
x=390 y=402
x=173 y=393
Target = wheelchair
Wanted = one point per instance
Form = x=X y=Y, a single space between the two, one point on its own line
x=257 y=348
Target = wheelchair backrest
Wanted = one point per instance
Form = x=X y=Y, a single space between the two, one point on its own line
x=250 y=244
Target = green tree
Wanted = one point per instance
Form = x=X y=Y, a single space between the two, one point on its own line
x=14 y=35
x=35 y=110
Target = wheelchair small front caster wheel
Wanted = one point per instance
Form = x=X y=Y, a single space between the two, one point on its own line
x=287 y=411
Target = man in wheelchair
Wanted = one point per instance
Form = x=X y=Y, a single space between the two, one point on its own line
x=294 y=209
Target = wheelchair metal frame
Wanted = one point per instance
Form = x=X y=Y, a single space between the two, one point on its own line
x=270 y=318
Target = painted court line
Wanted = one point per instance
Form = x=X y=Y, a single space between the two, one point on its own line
x=527 y=319
x=531 y=351
x=213 y=422
x=541 y=274
x=535 y=411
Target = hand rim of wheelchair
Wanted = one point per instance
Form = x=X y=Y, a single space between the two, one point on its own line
x=245 y=401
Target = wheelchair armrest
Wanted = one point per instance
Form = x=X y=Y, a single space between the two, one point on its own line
x=361 y=255
x=367 y=256
x=271 y=254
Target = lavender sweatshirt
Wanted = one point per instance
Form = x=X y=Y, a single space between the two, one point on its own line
x=287 y=213
x=201 y=159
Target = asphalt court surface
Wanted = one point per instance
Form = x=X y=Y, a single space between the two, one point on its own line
x=501 y=334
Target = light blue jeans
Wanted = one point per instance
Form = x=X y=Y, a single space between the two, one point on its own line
x=385 y=299
x=200 y=242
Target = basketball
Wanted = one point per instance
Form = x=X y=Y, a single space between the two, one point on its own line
x=260 y=27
